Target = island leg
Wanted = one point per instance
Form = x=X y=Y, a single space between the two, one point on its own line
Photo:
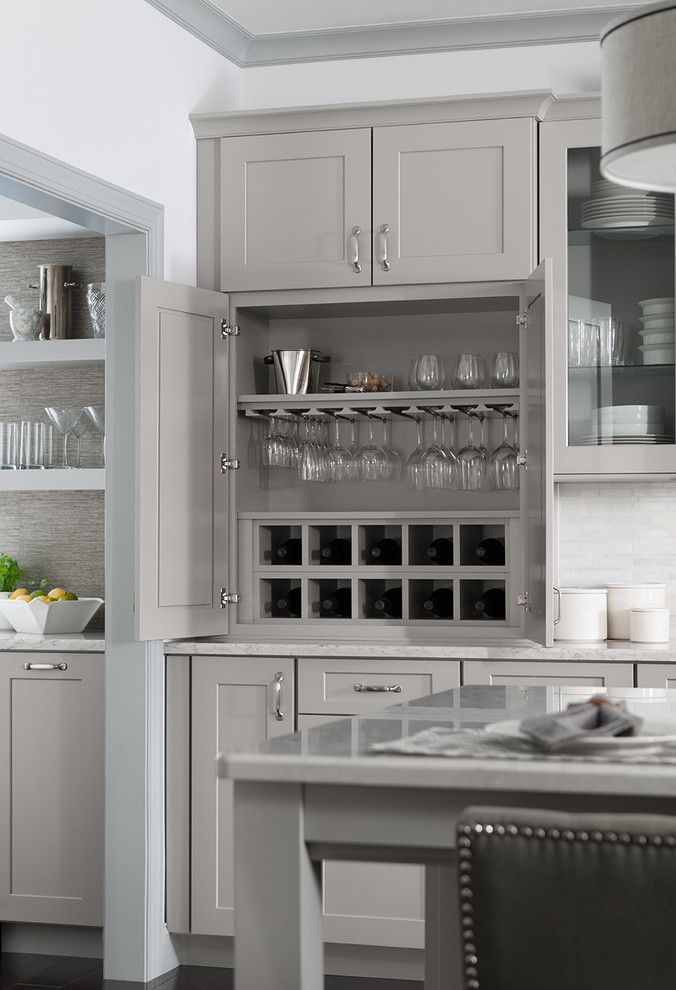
x=278 y=896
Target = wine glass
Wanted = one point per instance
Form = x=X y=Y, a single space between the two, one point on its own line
x=373 y=462
x=502 y=470
x=78 y=432
x=471 y=462
x=64 y=419
x=469 y=372
x=340 y=458
x=504 y=371
x=97 y=416
x=448 y=447
x=393 y=456
x=435 y=465
x=429 y=372
x=414 y=474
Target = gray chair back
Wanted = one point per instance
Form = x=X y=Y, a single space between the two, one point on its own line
x=555 y=901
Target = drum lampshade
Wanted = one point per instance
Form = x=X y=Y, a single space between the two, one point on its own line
x=638 y=98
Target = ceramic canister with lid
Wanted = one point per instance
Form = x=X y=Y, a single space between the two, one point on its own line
x=649 y=625
x=625 y=596
x=581 y=614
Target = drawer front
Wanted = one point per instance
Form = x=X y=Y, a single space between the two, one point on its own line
x=350 y=687
x=526 y=673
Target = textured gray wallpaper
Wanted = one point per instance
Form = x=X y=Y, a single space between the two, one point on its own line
x=19 y=262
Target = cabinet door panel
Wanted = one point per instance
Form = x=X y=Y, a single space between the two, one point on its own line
x=533 y=672
x=51 y=781
x=290 y=202
x=656 y=675
x=232 y=708
x=458 y=199
x=183 y=427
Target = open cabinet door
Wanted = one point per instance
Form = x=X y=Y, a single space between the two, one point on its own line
x=537 y=481
x=182 y=414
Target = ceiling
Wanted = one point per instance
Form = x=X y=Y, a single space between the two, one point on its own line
x=271 y=32
x=24 y=223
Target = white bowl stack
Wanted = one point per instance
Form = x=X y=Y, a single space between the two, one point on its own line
x=614 y=207
x=635 y=424
x=657 y=331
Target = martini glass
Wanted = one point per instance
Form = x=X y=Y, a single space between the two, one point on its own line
x=98 y=417
x=78 y=432
x=64 y=419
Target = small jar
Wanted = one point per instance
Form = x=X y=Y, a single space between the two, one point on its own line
x=649 y=625
x=623 y=597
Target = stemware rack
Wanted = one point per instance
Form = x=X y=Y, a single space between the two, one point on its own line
x=365 y=402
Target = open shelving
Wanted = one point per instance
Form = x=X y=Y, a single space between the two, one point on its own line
x=20 y=354
x=53 y=480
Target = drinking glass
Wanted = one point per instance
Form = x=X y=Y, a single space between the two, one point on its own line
x=32 y=446
x=373 y=462
x=469 y=372
x=340 y=458
x=504 y=371
x=51 y=455
x=97 y=416
x=502 y=469
x=414 y=472
x=436 y=468
x=429 y=372
x=64 y=419
x=471 y=462
x=78 y=432
x=393 y=456
x=8 y=446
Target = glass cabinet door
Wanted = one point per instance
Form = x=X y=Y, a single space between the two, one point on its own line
x=614 y=313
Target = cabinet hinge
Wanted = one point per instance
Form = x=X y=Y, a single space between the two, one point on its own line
x=228 y=330
x=522 y=459
x=229 y=598
x=229 y=463
x=522 y=600
x=522 y=320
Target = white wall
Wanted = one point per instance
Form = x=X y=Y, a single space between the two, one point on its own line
x=107 y=86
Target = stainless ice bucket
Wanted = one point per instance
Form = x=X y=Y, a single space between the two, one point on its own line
x=54 y=287
x=294 y=370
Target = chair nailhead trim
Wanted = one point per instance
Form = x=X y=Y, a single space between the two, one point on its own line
x=464 y=843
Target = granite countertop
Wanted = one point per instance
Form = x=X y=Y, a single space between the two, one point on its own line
x=92 y=642
x=338 y=752
x=614 y=650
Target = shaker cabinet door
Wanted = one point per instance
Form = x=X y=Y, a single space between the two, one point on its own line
x=296 y=210
x=182 y=429
x=454 y=202
x=51 y=788
x=236 y=703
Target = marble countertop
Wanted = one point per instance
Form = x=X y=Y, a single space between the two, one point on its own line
x=613 y=650
x=338 y=752
x=88 y=642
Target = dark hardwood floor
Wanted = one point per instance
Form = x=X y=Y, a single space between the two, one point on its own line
x=32 y=972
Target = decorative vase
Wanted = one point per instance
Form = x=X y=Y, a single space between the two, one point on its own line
x=96 y=302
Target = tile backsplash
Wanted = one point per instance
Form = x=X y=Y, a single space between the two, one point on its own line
x=618 y=532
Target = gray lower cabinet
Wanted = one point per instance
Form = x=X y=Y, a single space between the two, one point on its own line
x=235 y=703
x=51 y=788
x=656 y=675
x=547 y=673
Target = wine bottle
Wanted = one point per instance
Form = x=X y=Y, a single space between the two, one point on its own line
x=389 y=604
x=338 y=604
x=490 y=551
x=491 y=604
x=440 y=604
x=440 y=551
x=385 y=551
x=288 y=553
x=289 y=604
x=338 y=551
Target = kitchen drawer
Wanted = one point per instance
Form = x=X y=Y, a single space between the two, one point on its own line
x=534 y=672
x=656 y=675
x=330 y=686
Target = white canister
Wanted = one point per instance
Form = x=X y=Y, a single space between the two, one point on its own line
x=581 y=614
x=649 y=625
x=622 y=598
x=5 y=626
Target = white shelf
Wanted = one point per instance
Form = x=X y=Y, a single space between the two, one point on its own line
x=28 y=354
x=369 y=400
x=56 y=480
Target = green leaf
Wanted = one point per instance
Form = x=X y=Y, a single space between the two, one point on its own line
x=10 y=573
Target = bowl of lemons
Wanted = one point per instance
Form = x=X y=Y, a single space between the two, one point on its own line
x=58 y=612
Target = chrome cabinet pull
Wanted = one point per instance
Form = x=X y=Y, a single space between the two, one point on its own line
x=382 y=688
x=45 y=666
x=557 y=592
x=382 y=239
x=277 y=695
x=354 y=244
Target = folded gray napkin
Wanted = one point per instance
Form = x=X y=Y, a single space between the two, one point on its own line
x=588 y=720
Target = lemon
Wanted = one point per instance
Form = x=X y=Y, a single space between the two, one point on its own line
x=43 y=598
x=69 y=596
x=19 y=593
x=57 y=593
x=24 y=598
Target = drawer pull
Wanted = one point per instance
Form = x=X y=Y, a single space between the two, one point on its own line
x=354 y=246
x=379 y=688
x=277 y=692
x=382 y=239
x=45 y=666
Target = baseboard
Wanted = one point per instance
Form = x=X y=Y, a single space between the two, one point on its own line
x=339 y=960
x=52 y=940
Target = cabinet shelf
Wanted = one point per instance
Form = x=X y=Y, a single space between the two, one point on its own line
x=369 y=400
x=579 y=237
x=624 y=369
x=55 y=480
x=27 y=354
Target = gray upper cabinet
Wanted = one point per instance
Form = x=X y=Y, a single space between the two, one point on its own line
x=51 y=788
x=296 y=210
x=453 y=202
x=183 y=421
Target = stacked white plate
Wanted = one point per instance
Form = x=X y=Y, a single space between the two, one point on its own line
x=612 y=207
x=657 y=331
x=631 y=424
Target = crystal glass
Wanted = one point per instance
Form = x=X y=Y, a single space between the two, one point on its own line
x=32 y=446
x=98 y=418
x=274 y=444
x=429 y=372
x=414 y=472
x=9 y=454
x=340 y=458
x=64 y=419
x=393 y=456
x=373 y=462
x=436 y=468
x=96 y=304
x=448 y=447
x=313 y=453
x=51 y=454
x=78 y=432
x=469 y=372
x=503 y=474
x=471 y=462
x=504 y=372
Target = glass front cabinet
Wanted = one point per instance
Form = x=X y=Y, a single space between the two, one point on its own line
x=613 y=299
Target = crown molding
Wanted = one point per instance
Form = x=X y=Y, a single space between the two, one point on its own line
x=231 y=40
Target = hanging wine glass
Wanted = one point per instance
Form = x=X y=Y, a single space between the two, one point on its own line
x=503 y=473
x=435 y=463
x=340 y=458
x=414 y=472
x=373 y=462
x=448 y=447
x=471 y=462
x=393 y=456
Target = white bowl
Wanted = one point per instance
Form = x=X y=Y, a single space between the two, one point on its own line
x=657 y=353
x=664 y=301
x=654 y=337
x=606 y=430
x=658 y=309
x=58 y=618
x=658 y=322
x=638 y=414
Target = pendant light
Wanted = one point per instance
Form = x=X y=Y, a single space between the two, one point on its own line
x=638 y=98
